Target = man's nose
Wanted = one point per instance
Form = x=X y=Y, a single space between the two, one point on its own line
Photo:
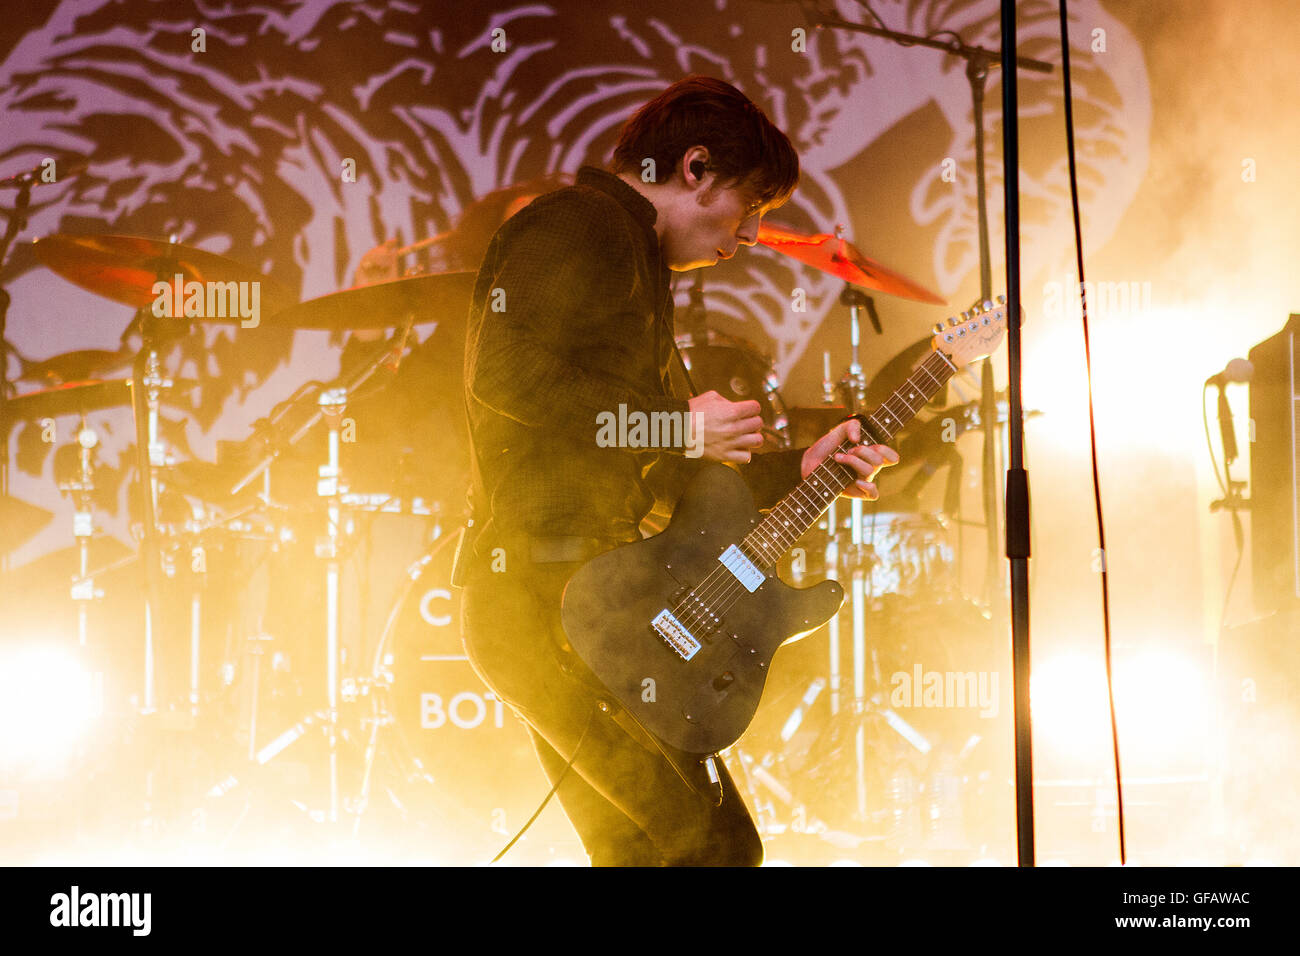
x=747 y=234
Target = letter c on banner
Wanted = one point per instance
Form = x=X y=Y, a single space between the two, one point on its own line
x=431 y=595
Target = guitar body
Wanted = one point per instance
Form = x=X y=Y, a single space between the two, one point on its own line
x=702 y=704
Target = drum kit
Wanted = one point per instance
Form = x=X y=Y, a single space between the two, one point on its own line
x=296 y=589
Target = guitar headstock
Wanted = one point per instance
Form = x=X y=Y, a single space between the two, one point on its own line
x=974 y=334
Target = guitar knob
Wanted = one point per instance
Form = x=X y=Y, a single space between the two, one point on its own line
x=1002 y=300
x=986 y=306
x=952 y=320
x=938 y=328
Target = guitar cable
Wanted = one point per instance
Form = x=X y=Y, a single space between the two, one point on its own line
x=558 y=780
x=1092 y=421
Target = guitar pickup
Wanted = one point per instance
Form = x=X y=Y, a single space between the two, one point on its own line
x=749 y=575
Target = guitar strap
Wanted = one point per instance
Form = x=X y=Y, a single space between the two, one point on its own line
x=475 y=524
x=681 y=363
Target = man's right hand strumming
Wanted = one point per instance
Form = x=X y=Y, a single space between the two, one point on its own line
x=731 y=430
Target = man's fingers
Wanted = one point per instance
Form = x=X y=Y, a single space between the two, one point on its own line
x=869 y=490
x=740 y=411
x=863 y=465
x=746 y=426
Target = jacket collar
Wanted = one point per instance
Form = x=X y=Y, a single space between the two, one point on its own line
x=641 y=209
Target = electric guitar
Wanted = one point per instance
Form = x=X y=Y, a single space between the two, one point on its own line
x=681 y=628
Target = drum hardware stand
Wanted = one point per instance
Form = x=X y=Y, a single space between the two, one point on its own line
x=333 y=403
x=255 y=650
x=199 y=576
x=381 y=679
x=833 y=625
x=147 y=383
x=855 y=381
x=857 y=558
x=860 y=571
x=80 y=488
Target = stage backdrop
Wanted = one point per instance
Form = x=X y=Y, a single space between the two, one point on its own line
x=231 y=126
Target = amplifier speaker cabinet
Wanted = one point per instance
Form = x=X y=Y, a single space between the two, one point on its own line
x=1275 y=469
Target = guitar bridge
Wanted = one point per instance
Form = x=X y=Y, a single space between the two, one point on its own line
x=675 y=634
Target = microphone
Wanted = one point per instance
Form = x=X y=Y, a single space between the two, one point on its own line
x=1227 y=434
x=1238 y=370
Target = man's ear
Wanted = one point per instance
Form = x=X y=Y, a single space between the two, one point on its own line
x=698 y=167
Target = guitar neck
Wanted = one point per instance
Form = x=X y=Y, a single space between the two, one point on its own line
x=794 y=514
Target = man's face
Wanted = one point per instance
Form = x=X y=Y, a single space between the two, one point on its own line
x=711 y=225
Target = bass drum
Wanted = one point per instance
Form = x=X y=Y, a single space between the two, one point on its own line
x=738 y=372
x=467 y=777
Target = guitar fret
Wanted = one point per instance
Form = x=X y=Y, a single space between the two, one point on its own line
x=937 y=382
x=770 y=539
x=885 y=433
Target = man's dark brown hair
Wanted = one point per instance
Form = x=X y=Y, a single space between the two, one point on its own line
x=744 y=146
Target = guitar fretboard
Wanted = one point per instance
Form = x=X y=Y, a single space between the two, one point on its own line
x=796 y=512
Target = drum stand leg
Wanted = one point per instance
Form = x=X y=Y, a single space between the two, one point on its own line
x=83 y=527
x=332 y=402
x=147 y=384
x=256 y=651
x=372 y=748
x=833 y=626
x=859 y=599
x=196 y=608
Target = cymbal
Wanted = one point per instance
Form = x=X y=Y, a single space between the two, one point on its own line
x=838 y=257
x=125 y=268
x=74 y=366
x=432 y=297
x=75 y=398
x=20 y=521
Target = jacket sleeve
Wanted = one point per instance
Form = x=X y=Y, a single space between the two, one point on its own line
x=547 y=260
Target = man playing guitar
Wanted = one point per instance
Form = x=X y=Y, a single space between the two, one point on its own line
x=572 y=320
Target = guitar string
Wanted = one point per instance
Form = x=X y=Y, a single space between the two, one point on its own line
x=702 y=593
x=721 y=577
x=717 y=603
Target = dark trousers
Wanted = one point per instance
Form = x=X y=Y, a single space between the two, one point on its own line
x=630 y=806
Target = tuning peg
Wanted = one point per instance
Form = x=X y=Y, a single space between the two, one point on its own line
x=952 y=321
x=938 y=328
x=1002 y=300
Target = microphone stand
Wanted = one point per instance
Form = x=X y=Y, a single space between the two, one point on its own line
x=978 y=62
